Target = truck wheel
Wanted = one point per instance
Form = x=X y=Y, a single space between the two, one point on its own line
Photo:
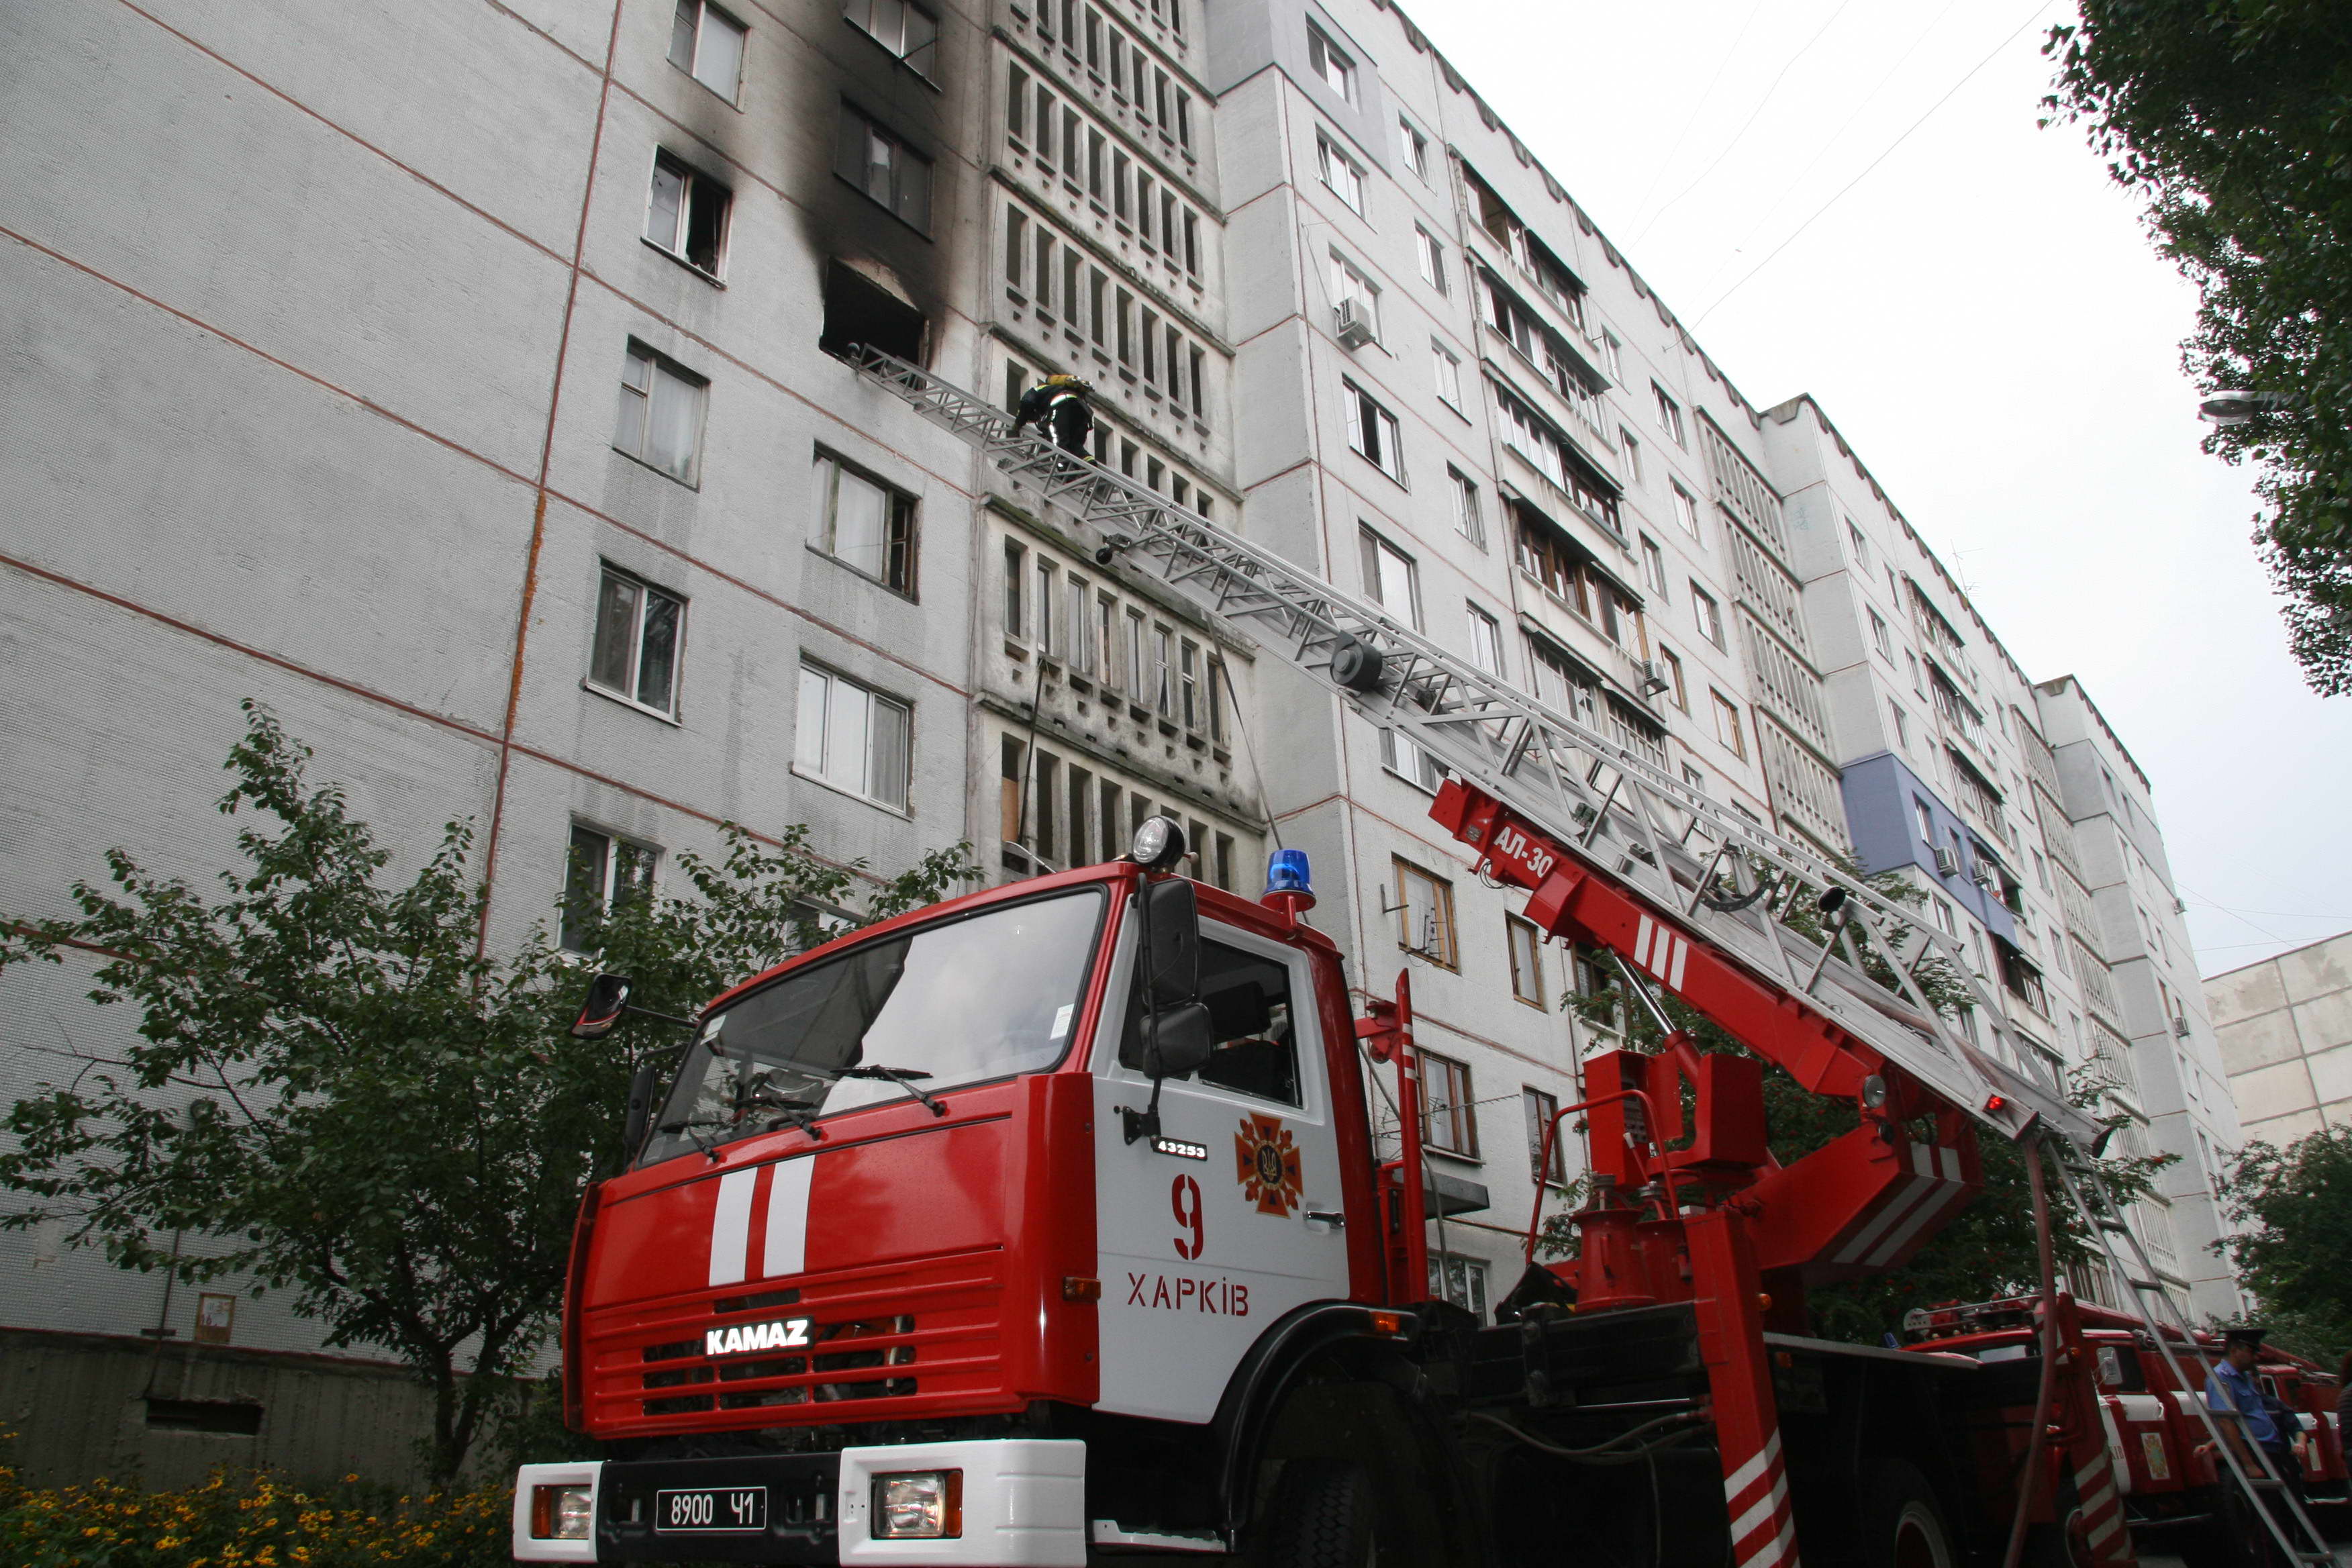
x=1902 y=1526
x=1320 y=1516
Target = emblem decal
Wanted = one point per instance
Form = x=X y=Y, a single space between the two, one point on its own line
x=1266 y=1164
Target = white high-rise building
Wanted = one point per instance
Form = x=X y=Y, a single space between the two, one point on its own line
x=463 y=381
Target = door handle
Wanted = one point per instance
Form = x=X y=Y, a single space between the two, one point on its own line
x=1332 y=1217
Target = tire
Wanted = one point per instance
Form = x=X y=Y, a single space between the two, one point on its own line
x=1902 y=1524
x=1320 y=1516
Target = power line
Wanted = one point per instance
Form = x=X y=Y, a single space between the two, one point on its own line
x=1786 y=66
x=1864 y=102
x=1697 y=104
x=1873 y=164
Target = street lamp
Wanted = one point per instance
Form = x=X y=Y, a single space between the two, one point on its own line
x=2239 y=406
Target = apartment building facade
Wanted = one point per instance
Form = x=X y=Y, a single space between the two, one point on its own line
x=2284 y=1026
x=1970 y=779
x=494 y=432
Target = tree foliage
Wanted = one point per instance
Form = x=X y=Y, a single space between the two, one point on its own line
x=2292 y=1213
x=2233 y=119
x=1988 y=1251
x=332 y=1082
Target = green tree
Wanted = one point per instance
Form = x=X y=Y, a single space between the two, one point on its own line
x=332 y=1081
x=2233 y=119
x=1988 y=1251
x=2292 y=1208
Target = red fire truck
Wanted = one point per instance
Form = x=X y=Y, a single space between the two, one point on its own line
x=1049 y=1224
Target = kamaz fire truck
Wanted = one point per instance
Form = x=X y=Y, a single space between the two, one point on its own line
x=1048 y=1225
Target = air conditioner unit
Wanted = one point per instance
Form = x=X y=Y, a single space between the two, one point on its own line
x=1653 y=679
x=2179 y=905
x=1982 y=875
x=1947 y=863
x=2180 y=1028
x=1354 y=324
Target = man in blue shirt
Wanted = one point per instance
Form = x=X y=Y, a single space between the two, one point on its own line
x=2245 y=1417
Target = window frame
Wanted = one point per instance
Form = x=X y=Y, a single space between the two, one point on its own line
x=607 y=874
x=1540 y=1106
x=1448 y=952
x=904 y=154
x=1685 y=508
x=1358 y=403
x=905 y=56
x=1460 y=1138
x=703 y=11
x=1706 y=612
x=1327 y=156
x=1330 y=64
x=692 y=180
x=819 y=771
x=646 y=593
x=1447 y=367
x=1469 y=517
x=659 y=364
x=903 y=519
x=1416 y=149
x=1527 y=975
x=1670 y=417
x=1729 y=731
x=1429 y=252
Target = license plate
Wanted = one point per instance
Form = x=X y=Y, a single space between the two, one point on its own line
x=710 y=1509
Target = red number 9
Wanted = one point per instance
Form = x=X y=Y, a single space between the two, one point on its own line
x=1184 y=1198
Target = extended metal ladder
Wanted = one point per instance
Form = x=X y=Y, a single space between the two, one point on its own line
x=1755 y=895
x=2135 y=1271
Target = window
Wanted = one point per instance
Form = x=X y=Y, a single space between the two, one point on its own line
x=1919 y=684
x=1672 y=662
x=686 y=214
x=865 y=524
x=1670 y=417
x=1448 y=374
x=1925 y=820
x=1345 y=180
x=1527 y=959
x=1485 y=641
x=1347 y=284
x=1015 y=559
x=1372 y=431
x=1686 y=509
x=889 y=170
x=1409 y=762
x=708 y=45
x=1324 y=59
x=1654 y=567
x=1632 y=450
x=1612 y=355
x=1448 y=1109
x=1726 y=725
x=660 y=422
x=853 y=739
x=1901 y=725
x=1860 y=546
x=908 y=31
x=637 y=642
x=1424 y=912
x=1461 y=1281
x=605 y=872
x=1879 y=639
x=1416 y=149
x=1467 y=519
x=1391 y=579
x=1707 y=614
x=1432 y=255
x=1694 y=778
x=1253 y=1035
x=1540 y=1108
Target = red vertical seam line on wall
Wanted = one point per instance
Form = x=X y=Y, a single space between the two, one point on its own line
x=411 y=426
x=539 y=503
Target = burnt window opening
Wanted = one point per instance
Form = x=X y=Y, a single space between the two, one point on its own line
x=223 y=1417
x=686 y=214
x=859 y=310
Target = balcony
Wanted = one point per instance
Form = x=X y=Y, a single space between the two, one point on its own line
x=1740 y=490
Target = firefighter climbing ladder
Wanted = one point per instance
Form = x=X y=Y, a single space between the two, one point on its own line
x=2127 y=1257
x=1771 y=905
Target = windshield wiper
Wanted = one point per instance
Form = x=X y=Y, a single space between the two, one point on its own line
x=903 y=1076
x=800 y=1113
x=690 y=1126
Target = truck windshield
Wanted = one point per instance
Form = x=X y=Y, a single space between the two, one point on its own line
x=968 y=1000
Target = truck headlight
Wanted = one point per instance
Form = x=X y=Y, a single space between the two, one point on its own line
x=560 y=1513
x=918 y=1505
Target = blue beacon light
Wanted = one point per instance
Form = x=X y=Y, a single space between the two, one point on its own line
x=1289 y=885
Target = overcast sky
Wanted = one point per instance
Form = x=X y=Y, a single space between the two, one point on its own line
x=1983 y=317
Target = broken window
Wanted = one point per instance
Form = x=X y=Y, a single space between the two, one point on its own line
x=860 y=312
x=686 y=214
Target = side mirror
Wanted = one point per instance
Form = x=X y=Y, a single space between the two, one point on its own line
x=641 y=1110
x=1177 y=1040
x=1171 y=955
x=608 y=995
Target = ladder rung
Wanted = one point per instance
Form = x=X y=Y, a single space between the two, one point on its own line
x=2113 y=1225
x=2145 y=1284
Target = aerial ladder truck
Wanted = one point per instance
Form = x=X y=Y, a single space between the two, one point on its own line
x=1049 y=1224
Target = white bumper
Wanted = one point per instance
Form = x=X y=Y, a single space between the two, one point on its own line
x=1025 y=1502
